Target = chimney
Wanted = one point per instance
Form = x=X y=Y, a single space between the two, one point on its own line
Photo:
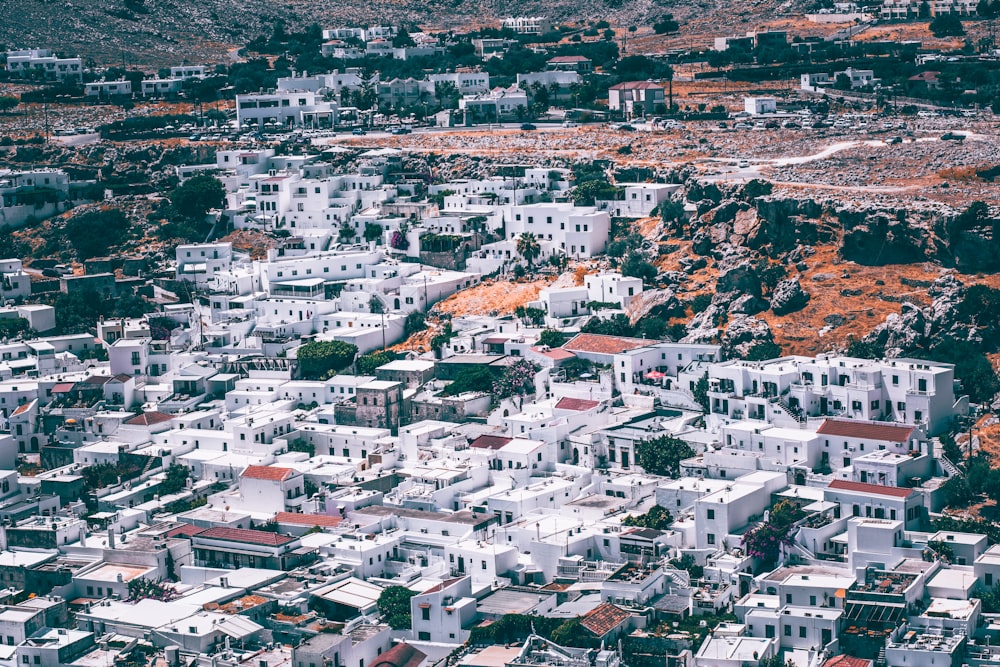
x=111 y=538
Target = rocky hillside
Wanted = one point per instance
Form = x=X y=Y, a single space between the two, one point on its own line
x=157 y=32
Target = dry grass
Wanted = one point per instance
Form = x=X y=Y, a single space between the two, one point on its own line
x=494 y=297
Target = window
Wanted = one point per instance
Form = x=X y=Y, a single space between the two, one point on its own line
x=424 y=636
x=788 y=631
x=425 y=613
x=802 y=631
x=812 y=600
x=710 y=514
x=788 y=598
x=711 y=538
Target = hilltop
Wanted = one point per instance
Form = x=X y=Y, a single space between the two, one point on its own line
x=159 y=32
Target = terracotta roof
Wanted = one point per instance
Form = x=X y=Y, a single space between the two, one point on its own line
x=122 y=377
x=400 y=655
x=556 y=353
x=443 y=585
x=186 y=529
x=247 y=536
x=490 y=442
x=854 y=429
x=870 y=489
x=62 y=388
x=576 y=404
x=299 y=519
x=603 y=619
x=149 y=418
x=569 y=59
x=272 y=473
x=495 y=340
x=600 y=344
x=21 y=409
x=100 y=380
x=636 y=85
x=847 y=661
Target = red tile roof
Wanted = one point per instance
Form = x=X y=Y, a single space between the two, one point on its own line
x=262 y=537
x=149 y=418
x=21 y=409
x=603 y=619
x=272 y=473
x=400 y=655
x=576 y=404
x=443 y=585
x=555 y=353
x=847 y=661
x=62 y=388
x=495 y=340
x=870 y=489
x=187 y=530
x=490 y=442
x=324 y=520
x=853 y=429
x=569 y=59
x=600 y=344
x=98 y=380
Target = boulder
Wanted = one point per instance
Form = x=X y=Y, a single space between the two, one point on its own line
x=788 y=297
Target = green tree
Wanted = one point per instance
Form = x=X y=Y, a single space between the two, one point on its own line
x=528 y=247
x=414 y=323
x=477 y=379
x=94 y=233
x=367 y=363
x=657 y=518
x=665 y=25
x=195 y=196
x=765 y=541
x=176 y=479
x=947 y=25
x=662 y=455
x=373 y=232
x=8 y=103
x=572 y=633
x=394 y=605
x=701 y=392
x=319 y=360
x=636 y=266
x=551 y=337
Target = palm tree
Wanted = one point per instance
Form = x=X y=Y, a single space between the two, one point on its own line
x=528 y=247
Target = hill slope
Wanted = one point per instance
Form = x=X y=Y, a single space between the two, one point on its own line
x=159 y=32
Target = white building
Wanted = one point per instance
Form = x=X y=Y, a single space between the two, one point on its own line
x=25 y=62
x=106 y=90
x=285 y=109
x=756 y=106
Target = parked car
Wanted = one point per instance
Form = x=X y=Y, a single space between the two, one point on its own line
x=952 y=136
x=359 y=131
x=894 y=141
x=528 y=126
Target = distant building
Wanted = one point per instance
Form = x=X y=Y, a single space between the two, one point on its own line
x=756 y=106
x=636 y=98
x=579 y=64
x=108 y=90
x=288 y=109
x=44 y=63
x=527 y=25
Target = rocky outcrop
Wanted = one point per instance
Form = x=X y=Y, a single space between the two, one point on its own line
x=743 y=335
x=788 y=297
